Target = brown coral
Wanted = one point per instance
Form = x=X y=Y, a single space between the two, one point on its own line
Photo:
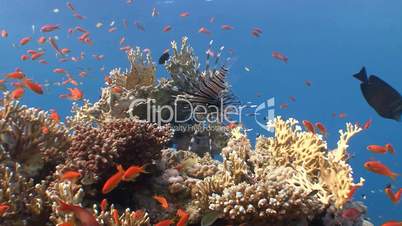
x=96 y=151
x=23 y=139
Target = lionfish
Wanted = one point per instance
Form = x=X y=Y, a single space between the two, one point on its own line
x=210 y=88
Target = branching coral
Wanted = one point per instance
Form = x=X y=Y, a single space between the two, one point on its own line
x=30 y=137
x=289 y=176
x=96 y=151
x=25 y=199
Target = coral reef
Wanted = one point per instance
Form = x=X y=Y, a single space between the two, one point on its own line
x=291 y=178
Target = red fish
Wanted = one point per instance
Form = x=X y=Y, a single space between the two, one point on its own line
x=117 y=89
x=25 y=40
x=133 y=172
x=392 y=223
x=138 y=214
x=309 y=126
x=4 y=33
x=390 y=148
x=35 y=87
x=24 y=57
x=75 y=94
x=78 y=16
x=37 y=55
x=321 y=128
x=167 y=28
x=379 y=149
x=53 y=44
x=184 y=216
x=15 y=75
x=184 y=14
x=59 y=71
x=43 y=61
x=54 y=115
x=379 y=168
x=393 y=197
x=70 y=175
x=351 y=214
x=4 y=208
x=280 y=56
x=65 y=50
x=122 y=40
x=352 y=191
x=41 y=40
x=162 y=200
x=113 y=181
x=81 y=29
x=227 y=27
x=31 y=51
x=17 y=93
x=167 y=222
x=83 y=215
x=342 y=115
x=204 y=30
x=115 y=216
x=112 y=29
x=367 y=124
x=49 y=27
x=103 y=204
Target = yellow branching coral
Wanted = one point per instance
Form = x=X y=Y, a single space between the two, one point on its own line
x=291 y=176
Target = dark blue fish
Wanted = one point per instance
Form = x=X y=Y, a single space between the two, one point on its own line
x=164 y=57
x=385 y=100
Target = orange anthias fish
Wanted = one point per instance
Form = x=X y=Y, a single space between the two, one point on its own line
x=184 y=14
x=280 y=56
x=392 y=223
x=49 y=27
x=17 y=93
x=113 y=181
x=380 y=149
x=54 y=115
x=70 y=175
x=167 y=222
x=352 y=191
x=351 y=214
x=25 y=40
x=379 y=168
x=59 y=70
x=162 y=200
x=37 y=55
x=133 y=172
x=15 y=75
x=367 y=124
x=75 y=94
x=4 y=33
x=35 y=87
x=103 y=204
x=41 y=40
x=24 y=57
x=227 y=27
x=4 y=208
x=321 y=128
x=115 y=215
x=309 y=126
x=393 y=197
x=167 y=28
x=183 y=217
x=83 y=215
x=204 y=30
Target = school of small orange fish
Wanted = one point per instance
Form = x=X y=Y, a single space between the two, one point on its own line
x=20 y=81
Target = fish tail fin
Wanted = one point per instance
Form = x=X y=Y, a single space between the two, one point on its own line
x=394 y=176
x=362 y=75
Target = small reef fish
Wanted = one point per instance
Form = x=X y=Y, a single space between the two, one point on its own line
x=227 y=27
x=321 y=128
x=133 y=172
x=53 y=44
x=184 y=14
x=4 y=208
x=113 y=181
x=162 y=200
x=379 y=168
x=393 y=197
x=367 y=124
x=103 y=204
x=280 y=56
x=392 y=223
x=164 y=57
x=204 y=30
x=115 y=216
x=37 y=55
x=309 y=126
x=83 y=215
x=49 y=27
x=382 y=97
x=4 y=33
x=17 y=93
x=184 y=216
x=35 y=87
x=167 y=222
x=54 y=115
x=352 y=191
x=65 y=50
x=59 y=71
x=75 y=94
x=15 y=75
x=167 y=28
x=41 y=40
x=351 y=214
x=70 y=175
x=24 y=57
x=25 y=40
x=381 y=149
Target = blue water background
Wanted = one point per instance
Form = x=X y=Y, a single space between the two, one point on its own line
x=326 y=42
